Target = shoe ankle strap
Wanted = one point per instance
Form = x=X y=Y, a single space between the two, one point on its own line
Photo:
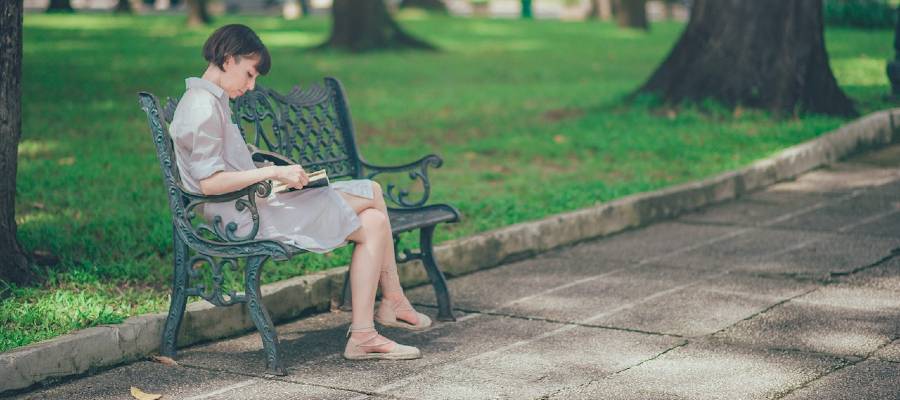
x=399 y=306
x=351 y=329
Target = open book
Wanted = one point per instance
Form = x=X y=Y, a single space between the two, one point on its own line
x=316 y=179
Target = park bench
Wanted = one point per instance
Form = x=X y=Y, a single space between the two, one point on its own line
x=310 y=127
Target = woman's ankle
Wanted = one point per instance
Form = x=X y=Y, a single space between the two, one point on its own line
x=394 y=297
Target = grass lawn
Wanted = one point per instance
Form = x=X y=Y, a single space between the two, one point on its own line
x=510 y=105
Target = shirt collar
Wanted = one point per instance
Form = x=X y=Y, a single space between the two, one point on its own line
x=204 y=84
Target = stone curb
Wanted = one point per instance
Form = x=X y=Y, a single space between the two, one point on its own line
x=95 y=348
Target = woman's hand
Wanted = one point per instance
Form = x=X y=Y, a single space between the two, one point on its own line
x=292 y=175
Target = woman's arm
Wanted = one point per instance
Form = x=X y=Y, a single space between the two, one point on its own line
x=224 y=182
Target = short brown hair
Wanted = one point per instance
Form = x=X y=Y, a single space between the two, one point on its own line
x=236 y=40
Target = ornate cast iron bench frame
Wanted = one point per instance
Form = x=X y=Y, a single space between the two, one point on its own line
x=311 y=127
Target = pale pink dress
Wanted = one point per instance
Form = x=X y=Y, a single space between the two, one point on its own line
x=206 y=141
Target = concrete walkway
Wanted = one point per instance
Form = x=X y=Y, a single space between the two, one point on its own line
x=789 y=293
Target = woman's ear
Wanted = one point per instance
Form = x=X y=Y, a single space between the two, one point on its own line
x=229 y=63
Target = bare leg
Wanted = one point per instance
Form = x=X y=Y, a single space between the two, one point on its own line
x=389 y=279
x=365 y=269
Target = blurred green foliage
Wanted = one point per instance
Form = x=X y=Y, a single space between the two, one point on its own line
x=869 y=14
x=510 y=105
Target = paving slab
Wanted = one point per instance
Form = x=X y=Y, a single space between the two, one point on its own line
x=566 y=356
x=712 y=304
x=759 y=208
x=587 y=300
x=747 y=251
x=709 y=370
x=885 y=276
x=495 y=287
x=841 y=321
x=834 y=254
x=788 y=252
x=840 y=214
x=175 y=382
x=887 y=226
x=868 y=380
x=653 y=242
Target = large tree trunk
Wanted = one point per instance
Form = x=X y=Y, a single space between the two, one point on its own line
x=430 y=5
x=766 y=54
x=125 y=7
x=56 y=6
x=197 y=13
x=363 y=25
x=13 y=262
x=631 y=14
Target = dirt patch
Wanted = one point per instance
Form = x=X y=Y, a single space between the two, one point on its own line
x=560 y=114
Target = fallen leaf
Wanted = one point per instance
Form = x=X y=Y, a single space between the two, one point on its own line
x=164 y=360
x=559 y=139
x=140 y=395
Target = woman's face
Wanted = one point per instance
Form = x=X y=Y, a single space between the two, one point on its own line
x=240 y=76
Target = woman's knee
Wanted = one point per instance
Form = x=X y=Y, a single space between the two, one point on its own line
x=373 y=221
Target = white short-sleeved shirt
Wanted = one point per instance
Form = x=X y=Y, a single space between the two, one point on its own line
x=206 y=142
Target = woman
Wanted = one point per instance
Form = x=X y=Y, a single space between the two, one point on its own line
x=213 y=159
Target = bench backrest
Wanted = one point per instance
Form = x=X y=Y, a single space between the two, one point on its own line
x=310 y=126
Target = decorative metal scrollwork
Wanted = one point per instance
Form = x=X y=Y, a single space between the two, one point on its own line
x=217 y=294
x=403 y=254
x=305 y=127
x=417 y=171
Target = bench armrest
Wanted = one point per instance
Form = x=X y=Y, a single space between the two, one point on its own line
x=418 y=172
x=262 y=156
x=220 y=239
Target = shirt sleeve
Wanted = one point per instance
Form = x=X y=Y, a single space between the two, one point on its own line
x=204 y=134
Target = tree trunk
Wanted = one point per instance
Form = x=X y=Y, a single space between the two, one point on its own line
x=631 y=14
x=58 y=6
x=430 y=5
x=13 y=263
x=363 y=25
x=766 y=54
x=124 y=6
x=197 y=13
x=527 y=12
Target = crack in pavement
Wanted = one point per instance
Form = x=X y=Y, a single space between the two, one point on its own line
x=848 y=363
x=566 y=322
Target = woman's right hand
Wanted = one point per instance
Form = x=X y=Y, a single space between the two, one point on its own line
x=292 y=175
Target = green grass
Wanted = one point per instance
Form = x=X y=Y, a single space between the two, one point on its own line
x=510 y=105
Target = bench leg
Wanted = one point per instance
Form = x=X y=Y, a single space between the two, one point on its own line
x=180 y=282
x=261 y=317
x=445 y=308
